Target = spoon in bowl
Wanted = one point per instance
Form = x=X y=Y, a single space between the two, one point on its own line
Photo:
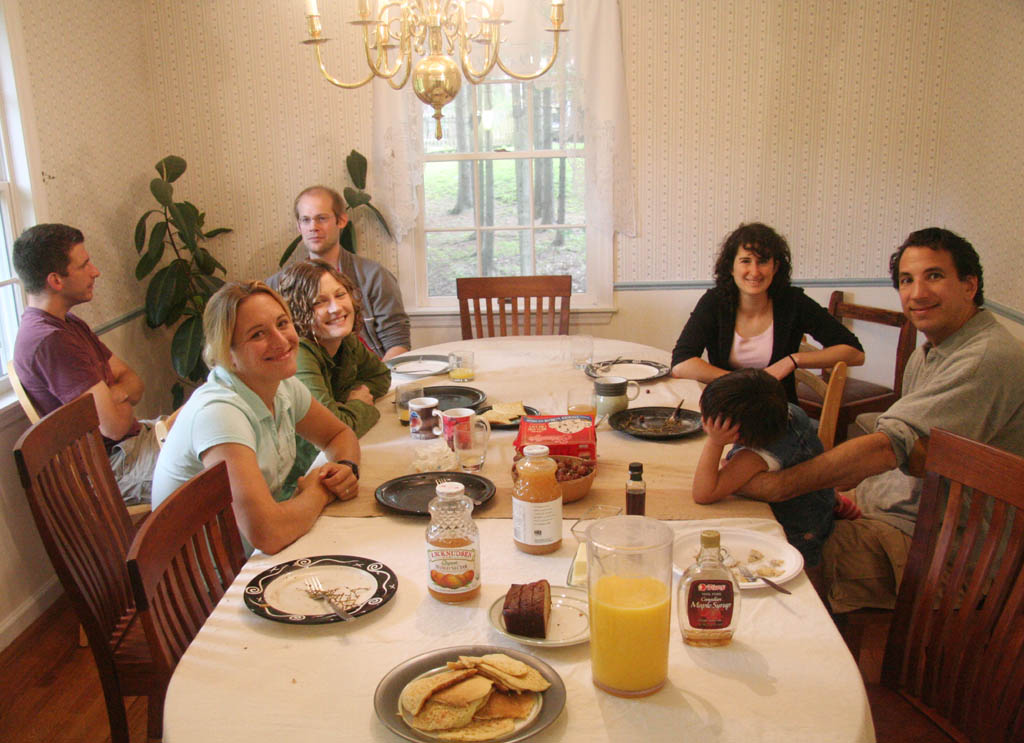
x=675 y=413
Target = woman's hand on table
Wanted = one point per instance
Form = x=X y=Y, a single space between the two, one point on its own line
x=338 y=479
x=782 y=368
x=362 y=393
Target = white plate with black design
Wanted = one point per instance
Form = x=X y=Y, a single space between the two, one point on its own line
x=279 y=593
x=755 y=550
x=569 y=623
x=418 y=365
x=637 y=370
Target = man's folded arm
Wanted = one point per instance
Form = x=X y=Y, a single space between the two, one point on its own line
x=843 y=467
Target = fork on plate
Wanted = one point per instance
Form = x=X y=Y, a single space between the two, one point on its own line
x=745 y=572
x=316 y=590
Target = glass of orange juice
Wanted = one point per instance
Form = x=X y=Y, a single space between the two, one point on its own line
x=629 y=579
x=581 y=402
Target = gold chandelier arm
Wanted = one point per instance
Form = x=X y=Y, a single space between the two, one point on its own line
x=475 y=76
x=534 y=75
x=405 y=77
x=333 y=80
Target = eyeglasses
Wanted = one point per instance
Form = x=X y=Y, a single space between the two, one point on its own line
x=319 y=219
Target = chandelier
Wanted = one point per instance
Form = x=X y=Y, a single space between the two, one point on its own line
x=433 y=29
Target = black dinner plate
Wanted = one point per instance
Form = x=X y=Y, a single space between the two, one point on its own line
x=278 y=593
x=514 y=424
x=651 y=423
x=453 y=396
x=413 y=493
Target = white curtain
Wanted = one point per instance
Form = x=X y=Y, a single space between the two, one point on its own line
x=593 y=47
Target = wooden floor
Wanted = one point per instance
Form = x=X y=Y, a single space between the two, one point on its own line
x=51 y=689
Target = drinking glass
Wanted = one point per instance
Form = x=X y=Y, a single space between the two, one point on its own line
x=471 y=445
x=581 y=402
x=581 y=350
x=629 y=577
x=403 y=394
x=460 y=366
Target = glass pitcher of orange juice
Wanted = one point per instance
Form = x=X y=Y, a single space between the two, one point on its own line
x=629 y=581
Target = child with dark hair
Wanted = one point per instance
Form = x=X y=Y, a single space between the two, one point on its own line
x=748 y=408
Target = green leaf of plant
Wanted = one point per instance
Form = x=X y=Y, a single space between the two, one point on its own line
x=289 y=250
x=199 y=371
x=156 y=251
x=356 y=164
x=167 y=293
x=171 y=168
x=217 y=231
x=380 y=218
x=205 y=262
x=140 y=231
x=348 y=237
x=206 y=286
x=356 y=198
x=162 y=191
x=186 y=231
x=177 y=395
x=187 y=345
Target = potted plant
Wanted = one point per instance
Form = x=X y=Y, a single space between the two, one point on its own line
x=354 y=198
x=179 y=290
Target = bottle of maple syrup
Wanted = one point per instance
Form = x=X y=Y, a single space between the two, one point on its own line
x=708 y=600
x=536 y=503
x=453 y=545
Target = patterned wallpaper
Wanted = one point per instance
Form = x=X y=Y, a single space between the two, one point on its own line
x=844 y=125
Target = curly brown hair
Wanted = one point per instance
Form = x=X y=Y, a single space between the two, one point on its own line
x=300 y=285
x=762 y=241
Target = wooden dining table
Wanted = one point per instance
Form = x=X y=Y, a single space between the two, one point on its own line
x=787 y=676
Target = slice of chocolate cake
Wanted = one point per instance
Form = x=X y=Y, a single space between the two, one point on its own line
x=527 y=609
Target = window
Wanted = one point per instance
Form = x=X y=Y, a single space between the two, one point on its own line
x=503 y=191
x=12 y=161
x=529 y=177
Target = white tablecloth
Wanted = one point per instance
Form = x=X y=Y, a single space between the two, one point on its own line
x=786 y=677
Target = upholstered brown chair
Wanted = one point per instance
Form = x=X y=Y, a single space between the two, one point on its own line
x=86 y=530
x=955 y=652
x=861 y=396
x=514 y=305
x=182 y=560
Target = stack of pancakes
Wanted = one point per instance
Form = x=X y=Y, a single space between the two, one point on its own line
x=476 y=699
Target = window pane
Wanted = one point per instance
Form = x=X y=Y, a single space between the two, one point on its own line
x=559 y=185
x=504 y=125
x=563 y=251
x=449 y=255
x=506 y=253
x=505 y=192
x=10 y=296
x=448 y=191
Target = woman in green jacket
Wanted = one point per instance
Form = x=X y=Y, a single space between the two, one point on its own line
x=333 y=363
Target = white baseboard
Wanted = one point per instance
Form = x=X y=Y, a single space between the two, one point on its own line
x=19 y=618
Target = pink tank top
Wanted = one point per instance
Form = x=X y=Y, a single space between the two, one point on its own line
x=752 y=353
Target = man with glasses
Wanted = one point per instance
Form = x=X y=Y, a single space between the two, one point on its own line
x=320 y=214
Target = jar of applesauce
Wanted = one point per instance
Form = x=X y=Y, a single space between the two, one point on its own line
x=453 y=545
x=536 y=503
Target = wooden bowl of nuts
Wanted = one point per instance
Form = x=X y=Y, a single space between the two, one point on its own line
x=574 y=474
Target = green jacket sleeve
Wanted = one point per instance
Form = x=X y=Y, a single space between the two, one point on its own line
x=370 y=370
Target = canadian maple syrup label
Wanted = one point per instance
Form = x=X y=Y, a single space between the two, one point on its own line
x=709 y=604
x=453 y=569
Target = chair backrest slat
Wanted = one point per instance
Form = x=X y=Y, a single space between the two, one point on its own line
x=478 y=296
x=184 y=556
x=956 y=644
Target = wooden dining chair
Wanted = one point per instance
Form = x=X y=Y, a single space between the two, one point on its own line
x=861 y=396
x=831 y=393
x=182 y=560
x=514 y=305
x=19 y=391
x=86 y=530
x=955 y=650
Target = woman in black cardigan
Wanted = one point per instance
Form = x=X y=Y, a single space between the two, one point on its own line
x=754 y=317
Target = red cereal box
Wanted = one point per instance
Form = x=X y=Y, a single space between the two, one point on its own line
x=570 y=435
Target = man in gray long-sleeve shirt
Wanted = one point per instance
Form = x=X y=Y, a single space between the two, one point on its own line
x=320 y=215
x=968 y=378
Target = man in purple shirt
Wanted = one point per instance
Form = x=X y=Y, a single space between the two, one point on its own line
x=58 y=358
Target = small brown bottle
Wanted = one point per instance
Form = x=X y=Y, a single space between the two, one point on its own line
x=636 y=490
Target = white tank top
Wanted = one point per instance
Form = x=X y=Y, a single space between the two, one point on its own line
x=752 y=353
